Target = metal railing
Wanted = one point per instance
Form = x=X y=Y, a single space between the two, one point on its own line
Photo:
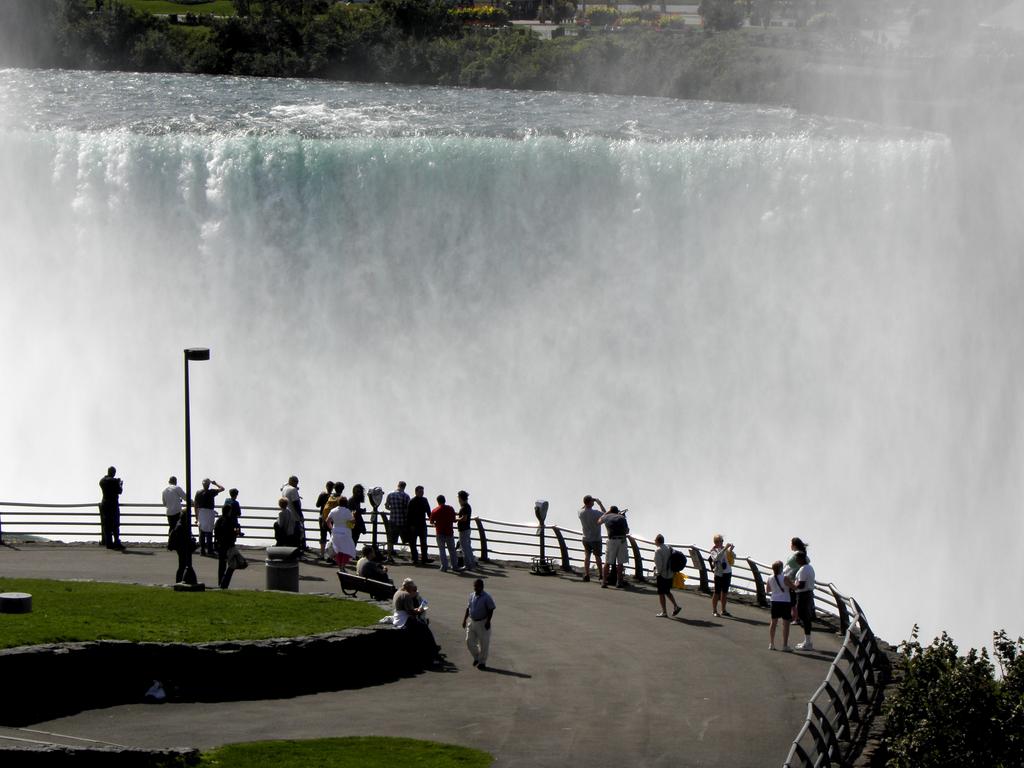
x=853 y=686
x=855 y=679
x=495 y=539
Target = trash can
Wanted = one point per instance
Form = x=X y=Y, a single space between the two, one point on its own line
x=283 y=568
x=15 y=602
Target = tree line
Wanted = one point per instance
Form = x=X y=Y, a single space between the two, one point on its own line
x=404 y=41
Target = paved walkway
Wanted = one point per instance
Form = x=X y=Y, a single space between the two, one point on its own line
x=577 y=673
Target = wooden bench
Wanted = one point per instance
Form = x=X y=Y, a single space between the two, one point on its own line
x=352 y=584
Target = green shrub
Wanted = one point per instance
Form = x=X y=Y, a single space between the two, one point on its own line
x=601 y=15
x=482 y=14
x=952 y=710
x=563 y=10
x=671 y=22
x=643 y=14
x=720 y=14
x=556 y=11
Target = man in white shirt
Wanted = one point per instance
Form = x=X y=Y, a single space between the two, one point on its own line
x=173 y=497
x=591 y=534
x=804 y=579
x=290 y=492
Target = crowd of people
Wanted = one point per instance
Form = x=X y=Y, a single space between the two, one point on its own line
x=341 y=524
x=791 y=586
x=340 y=520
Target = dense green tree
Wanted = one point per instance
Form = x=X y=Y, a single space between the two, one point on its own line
x=418 y=41
x=721 y=14
x=950 y=709
x=419 y=18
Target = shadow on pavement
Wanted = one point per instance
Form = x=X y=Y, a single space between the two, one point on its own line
x=751 y=622
x=506 y=672
x=695 y=622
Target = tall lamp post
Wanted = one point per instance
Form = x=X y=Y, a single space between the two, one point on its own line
x=192 y=353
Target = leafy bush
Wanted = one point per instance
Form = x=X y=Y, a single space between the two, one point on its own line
x=556 y=11
x=601 y=15
x=483 y=14
x=644 y=14
x=721 y=14
x=671 y=22
x=952 y=710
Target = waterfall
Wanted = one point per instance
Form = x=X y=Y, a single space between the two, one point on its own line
x=763 y=334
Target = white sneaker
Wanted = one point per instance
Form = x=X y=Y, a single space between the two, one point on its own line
x=771 y=647
x=661 y=615
x=786 y=649
x=805 y=646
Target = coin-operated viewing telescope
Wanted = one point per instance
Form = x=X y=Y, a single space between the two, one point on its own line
x=375 y=495
x=541 y=565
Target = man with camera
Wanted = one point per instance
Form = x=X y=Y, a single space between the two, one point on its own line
x=110 y=509
x=591 y=528
x=614 y=520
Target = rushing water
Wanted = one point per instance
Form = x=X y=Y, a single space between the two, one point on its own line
x=725 y=318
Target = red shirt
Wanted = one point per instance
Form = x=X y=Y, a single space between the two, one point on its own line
x=442 y=517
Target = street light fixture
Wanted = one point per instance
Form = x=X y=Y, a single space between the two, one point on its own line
x=192 y=353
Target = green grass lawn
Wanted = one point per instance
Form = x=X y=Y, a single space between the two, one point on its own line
x=354 y=752
x=216 y=7
x=70 y=611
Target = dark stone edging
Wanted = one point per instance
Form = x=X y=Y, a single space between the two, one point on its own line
x=58 y=756
x=45 y=682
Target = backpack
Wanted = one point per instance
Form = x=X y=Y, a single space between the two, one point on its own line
x=676 y=561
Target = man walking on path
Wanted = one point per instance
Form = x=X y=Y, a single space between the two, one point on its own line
x=418 y=514
x=591 y=534
x=664 y=575
x=442 y=517
x=462 y=518
x=173 y=497
x=615 y=522
x=397 y=503
x=110 y=509
x=478 y=629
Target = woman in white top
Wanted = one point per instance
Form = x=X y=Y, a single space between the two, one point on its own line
x=778 y=587
x=339 y=523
